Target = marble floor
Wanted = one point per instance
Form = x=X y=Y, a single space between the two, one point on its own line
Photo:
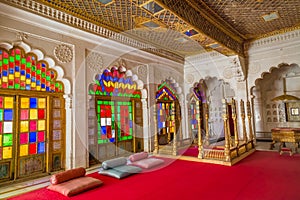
x=15 y=189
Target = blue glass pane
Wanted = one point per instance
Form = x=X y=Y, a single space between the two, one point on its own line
x=28 y=87
x=23 y=72
x=103 y=130
x=41 y=147
x=33 y=103
x=112 y=139
x=32 y=137
x=11 y=71
x=17 y=68
x=4 y=72
x=8 y=115
x=27 y=75
x=43 y=85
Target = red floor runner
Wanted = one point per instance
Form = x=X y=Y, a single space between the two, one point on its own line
x=262 y=175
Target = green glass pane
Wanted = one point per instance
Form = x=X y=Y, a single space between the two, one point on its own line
x=43 y=75
x=11 y=59
x=28 y=64
x=48 y=78
x=33 y=68
x=7 y=140
x=11 y=86
x=17 y=86
x=98 y=109
x=1 y=114
x=0 y=63
x=5 y=61
x=18 y=57
x=23 y=60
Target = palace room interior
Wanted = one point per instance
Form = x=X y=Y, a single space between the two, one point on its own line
x=201 y=99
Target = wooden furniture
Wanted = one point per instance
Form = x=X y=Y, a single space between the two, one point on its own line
x=284 y=135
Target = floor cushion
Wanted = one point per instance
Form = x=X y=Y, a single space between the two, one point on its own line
x=75 y=186
x=148 y=163
x=120 y=172
x=112 y=163
x=67 y=175
x=138 y=156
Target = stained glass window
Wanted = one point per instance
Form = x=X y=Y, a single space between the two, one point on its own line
x=124 y=118
x=6 y=126
x=32 y=126
x=25 y=72
x=165 y=117
x=106 y=121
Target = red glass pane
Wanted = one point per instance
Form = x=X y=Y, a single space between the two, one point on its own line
x=1 y=127
x=32 y=125
x=24 y=115
x=1 y=102
x=32 y=148
x=23 y=138
x=41 y=136
x=41 y=113
x=108 y=130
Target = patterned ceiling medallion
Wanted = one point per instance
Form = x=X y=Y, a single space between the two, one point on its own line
x=63 y=53
x=94 y=61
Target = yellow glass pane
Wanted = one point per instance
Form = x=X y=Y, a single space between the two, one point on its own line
x=0 y=81
x=22 y=78
x=9 y=102
x=4 y=79
x=17 y=74
x=42 y=103
x=25 y=103
x=33 y=113
x=11 y=77
x=33 y=84
x=7 y=152
x=41 y=125
x=38 y=88
x=28 y=81
x=0 y=140
x=24 y=150
x=24 y=126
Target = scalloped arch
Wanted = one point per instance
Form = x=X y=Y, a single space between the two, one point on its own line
x=40 y=56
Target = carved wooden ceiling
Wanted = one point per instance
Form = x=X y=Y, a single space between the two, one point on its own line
x=188 y=27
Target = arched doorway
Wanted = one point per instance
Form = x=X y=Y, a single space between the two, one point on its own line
x=32 y=117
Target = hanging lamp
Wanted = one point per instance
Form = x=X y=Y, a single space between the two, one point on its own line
x=285 y=97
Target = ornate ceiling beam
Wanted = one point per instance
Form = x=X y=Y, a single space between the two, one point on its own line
x=190 y=13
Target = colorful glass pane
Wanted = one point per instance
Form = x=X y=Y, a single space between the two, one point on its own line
x=8 y=102
x=7 y=139
x=24 y=126
x=1 y=140
x=24 y=114
x=8 y=114
x=24 y=102
x=33 y=102
x=7 y=152
x=32 y=125
x=41 y=136
x=32 y=149
x=32 y=137
x=41 y=147
x=33 y=114
x=42 y=103
x=7 y=127
x=23 y=138
x=24 y=150
x=41 y=125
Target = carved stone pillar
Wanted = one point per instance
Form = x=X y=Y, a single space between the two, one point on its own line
x=69 y=132
x=174 y=152
x=146 y=134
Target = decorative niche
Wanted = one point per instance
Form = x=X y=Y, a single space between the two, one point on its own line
x=293 y=111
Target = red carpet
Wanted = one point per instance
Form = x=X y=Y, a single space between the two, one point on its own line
x=260 y=176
